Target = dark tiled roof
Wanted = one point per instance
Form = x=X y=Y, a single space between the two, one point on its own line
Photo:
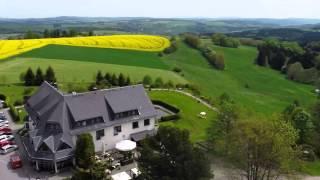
x=48 y=105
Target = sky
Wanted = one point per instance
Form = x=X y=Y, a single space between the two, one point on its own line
x=161 y=8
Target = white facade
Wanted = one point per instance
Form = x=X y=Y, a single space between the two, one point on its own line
x=109 y=140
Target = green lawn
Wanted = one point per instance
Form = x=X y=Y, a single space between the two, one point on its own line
x=14 y=91
x=312 y=168
x=99 y=55
x=268 y=91
x=190 y=110
x=79 y=71
x=259 y=89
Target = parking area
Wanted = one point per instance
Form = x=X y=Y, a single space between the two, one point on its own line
x=27 y=171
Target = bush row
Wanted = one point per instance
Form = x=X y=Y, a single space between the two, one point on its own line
x=170 y=118
x=167 y=106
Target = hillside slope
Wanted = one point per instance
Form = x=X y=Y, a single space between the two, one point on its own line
x=256 y=88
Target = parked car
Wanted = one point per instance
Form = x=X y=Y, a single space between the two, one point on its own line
x=4 y=121
x=6 y=138
x=15 y=161
x=5 y=129
x=5 y=133
x=8 y=148
x=4 y=143
x=4 y=125
x=3 y=117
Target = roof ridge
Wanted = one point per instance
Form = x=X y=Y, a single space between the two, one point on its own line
x=103 y=90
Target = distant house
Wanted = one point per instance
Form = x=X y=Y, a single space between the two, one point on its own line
x=110 y=115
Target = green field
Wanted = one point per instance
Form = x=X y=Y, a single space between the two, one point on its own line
x=98 y=55
x=79 y=71
x=259 y=89
x=267 y=90
x=189 y=109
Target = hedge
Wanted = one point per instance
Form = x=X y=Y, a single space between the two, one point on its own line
x=167 y=106
x=173 y=109
x=170 y=118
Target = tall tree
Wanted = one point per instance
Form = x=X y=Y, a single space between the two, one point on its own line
x=84 y=153
x=263 y=149
x=99 y=78
x=108 y=77
x=128 y=81
x=39 y=77
x=50 y=75
x=147 y=80
x=220 y=129
x=114 y=80
x=121 y=80
x=170 y=155
x=158 y=82
x=301 y=120
x=29 y=77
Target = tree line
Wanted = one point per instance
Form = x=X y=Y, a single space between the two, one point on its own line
x=299 y=63
x=56 y=33
x=225 y=41
x=109 y=79
x=29 y=78
x=214 y=58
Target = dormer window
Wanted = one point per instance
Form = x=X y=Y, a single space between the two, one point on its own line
x=43 y=148
x=126 y=114
x=63 y=146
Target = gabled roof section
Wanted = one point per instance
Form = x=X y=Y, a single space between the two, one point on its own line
x=128 y=98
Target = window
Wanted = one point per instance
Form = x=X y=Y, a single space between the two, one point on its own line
x=135 y=125
x=116 y=130
x=99 y=134
x=63 y=146
x=43 y=147
x=146 y=122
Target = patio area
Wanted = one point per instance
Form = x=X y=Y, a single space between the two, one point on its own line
x=121 y=161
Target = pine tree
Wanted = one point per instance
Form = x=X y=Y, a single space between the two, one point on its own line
x=99 y=78
x=108 y=77
x=121 y=80
x=128 y=81
x=39 y=77
x=114 y=80
x=50 y=75
x=29 y=77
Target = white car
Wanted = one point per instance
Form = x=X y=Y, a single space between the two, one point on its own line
x=6 y=138
x=4 y=122
x=4 y=125
x=8 y=148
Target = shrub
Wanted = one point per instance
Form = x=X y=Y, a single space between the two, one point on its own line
x=215 y=59
x=14 y=113
x=3 y=97
x=173 y=47
x=27 y=91
x=18 y=103
x=192 y=41
x=177 y=70
x=223 y=40
x=170 y=118
x=147 y=80
x=167 y=106
x=158 y=82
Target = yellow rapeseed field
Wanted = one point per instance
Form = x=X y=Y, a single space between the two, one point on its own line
x=10 y=48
